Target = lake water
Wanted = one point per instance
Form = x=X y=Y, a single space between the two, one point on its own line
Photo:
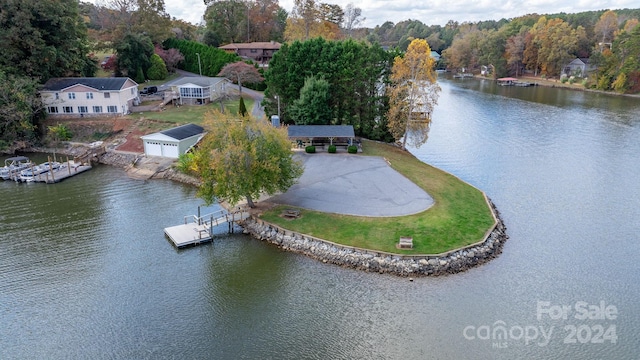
x=85 y=271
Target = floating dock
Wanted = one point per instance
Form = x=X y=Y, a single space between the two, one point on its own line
x=199 y=229
x=66 y=170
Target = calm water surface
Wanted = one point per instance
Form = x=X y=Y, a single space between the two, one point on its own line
x=85 y=271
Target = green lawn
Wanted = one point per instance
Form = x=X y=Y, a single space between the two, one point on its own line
x=191 y=113
x=459 y=217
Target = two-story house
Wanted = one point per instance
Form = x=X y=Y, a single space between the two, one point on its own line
x=259 y=52
x=89 y=96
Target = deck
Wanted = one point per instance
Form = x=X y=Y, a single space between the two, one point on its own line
x=197 y=230
x=68 y=170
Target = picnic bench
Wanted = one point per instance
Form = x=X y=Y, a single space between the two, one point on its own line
x=291 y=213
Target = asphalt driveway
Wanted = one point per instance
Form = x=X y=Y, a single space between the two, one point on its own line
x=354 y=185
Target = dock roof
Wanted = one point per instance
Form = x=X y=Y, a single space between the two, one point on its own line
x=316 y=131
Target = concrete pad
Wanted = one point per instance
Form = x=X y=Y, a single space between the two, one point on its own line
x=354 y=185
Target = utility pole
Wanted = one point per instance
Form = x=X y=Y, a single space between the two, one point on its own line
x=199 y=65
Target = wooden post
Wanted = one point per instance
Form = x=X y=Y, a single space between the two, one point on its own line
x=68 y=165
x=199 y=223
x=51 y=169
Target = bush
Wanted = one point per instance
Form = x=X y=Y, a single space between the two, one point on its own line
x=332 y=149
x=352 y=149
x=310 y=149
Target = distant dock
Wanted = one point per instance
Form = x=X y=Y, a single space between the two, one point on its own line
x=199 y=229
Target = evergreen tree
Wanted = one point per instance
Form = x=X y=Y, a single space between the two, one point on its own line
x=158 y=69
x=242 y=108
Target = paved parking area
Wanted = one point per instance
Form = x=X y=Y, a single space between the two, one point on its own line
x=354 y=185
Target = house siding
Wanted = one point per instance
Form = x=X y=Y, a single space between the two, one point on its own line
x=84 y=96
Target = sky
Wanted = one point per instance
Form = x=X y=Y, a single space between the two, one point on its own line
x=436 y=12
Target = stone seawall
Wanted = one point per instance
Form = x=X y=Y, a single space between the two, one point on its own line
x=376 y=261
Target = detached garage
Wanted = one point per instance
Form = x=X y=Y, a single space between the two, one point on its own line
x=173 y=142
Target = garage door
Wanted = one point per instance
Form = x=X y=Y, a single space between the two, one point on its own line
x=170 y=150
x=153 y=148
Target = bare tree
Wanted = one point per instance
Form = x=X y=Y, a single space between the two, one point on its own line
x=352 y=18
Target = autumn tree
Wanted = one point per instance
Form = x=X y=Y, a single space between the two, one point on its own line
x=242 y=158
x=148 y=17
x=514 y=52
x=605 y=28
x=556 y=43
x=464 y=52
x=171 y=57
x=310 y=19
x=240 y=72
x=226 y=20
x=413 y=94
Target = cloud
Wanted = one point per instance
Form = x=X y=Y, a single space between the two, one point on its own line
x=377 y=12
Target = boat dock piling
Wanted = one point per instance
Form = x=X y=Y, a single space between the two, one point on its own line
x=199 y=229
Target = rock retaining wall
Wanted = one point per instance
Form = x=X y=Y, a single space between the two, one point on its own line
x=375 y=261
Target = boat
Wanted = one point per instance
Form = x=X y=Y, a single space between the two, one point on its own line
x=13 y=166
x=462 y=76
x=30 y=174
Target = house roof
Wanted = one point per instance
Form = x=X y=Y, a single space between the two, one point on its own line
x=184 y=131
x=202 y=81
x=312 y=131
x=100 y=84
x=268 y=45
x=177 y=133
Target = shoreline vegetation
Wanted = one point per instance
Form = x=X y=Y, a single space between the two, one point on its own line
x=457 y=233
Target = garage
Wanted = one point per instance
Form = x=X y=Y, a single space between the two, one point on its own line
x=173 y=142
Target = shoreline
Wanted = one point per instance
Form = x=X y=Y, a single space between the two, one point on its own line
x=454 y=261
x=451 y=262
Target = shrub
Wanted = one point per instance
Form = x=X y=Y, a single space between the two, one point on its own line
x=332 y=149
x=563 y=80
x=310 y=149
x=352 y=149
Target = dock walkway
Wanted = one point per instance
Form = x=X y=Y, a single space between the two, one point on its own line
x=197 y=230
x=68 y=169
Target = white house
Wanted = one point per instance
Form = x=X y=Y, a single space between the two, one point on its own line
x=199 y=90
x=89 y=96
x=578 y=67
x=173 y=142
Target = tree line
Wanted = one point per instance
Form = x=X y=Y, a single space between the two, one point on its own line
x=544 y=45
x=349 y=76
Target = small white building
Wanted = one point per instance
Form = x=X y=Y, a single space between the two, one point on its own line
x=89 y=96
x=199 y=90
x=173 y=142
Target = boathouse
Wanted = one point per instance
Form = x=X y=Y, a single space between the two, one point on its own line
x=320 y=135
x=173 y=142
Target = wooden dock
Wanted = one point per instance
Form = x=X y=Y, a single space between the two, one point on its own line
x=197 y=230
x=66 y=170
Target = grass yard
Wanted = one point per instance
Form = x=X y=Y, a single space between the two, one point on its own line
x=191 y=113
x=459 y=217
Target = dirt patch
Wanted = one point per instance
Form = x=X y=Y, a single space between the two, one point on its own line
x=133 y=143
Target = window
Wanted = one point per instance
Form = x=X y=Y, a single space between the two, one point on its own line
x=68 y=109
x=52 y=109
x=57 y=96
x=97 y=109
x=191 y=92
x=82 y=109
x=89 y=96
x=254 y=50
x=72 y=96
x=107 y=95
x=112 y=109
x=133 y=91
